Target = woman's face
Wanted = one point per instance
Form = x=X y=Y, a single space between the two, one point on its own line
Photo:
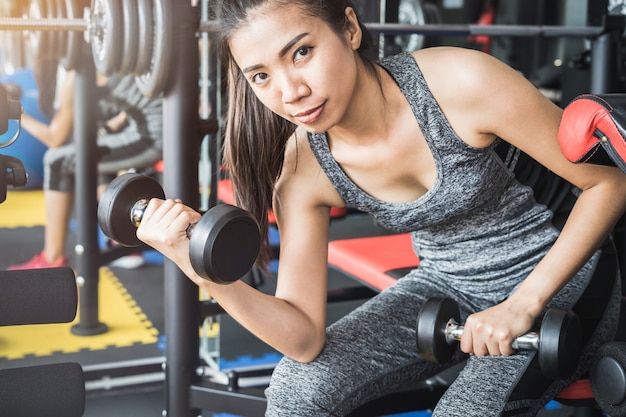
x=297 y=66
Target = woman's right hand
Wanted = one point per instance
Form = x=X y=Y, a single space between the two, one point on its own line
x=164 y=227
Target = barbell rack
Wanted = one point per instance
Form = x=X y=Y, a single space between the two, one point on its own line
x=441 y=29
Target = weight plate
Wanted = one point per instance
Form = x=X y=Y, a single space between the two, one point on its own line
x=412 y=13
x=61 y=34
x=39 y=39
x=4 y=110
x=152 y=82
x=431 y=329
x=129 y=47
x=560 y=343
x=117 y=201
x=106 y=34
x=54 y=35
x=224 y=244
x=72 y=48
x=433 y=16
x=145 y=39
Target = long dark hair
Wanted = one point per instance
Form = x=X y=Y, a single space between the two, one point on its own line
x=255 y=137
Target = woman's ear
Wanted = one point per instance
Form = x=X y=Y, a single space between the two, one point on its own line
x=354 y=34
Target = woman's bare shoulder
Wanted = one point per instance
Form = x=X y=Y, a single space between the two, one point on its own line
x=302 y=172
x=457 y=69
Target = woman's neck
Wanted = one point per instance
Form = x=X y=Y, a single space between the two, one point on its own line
x=373 y=105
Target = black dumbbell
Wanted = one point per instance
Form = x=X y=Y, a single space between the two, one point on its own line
x=608 y=377
x=558 y=342
x=223 y=245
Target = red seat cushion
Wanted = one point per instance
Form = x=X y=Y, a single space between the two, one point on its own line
x=578 y=390
x=226 y=195
x=368 y=259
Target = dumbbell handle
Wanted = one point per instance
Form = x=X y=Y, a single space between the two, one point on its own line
x=137 y=211
x=527 y=341
x=139 y=208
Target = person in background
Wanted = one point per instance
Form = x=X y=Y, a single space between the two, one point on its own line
x=129 y=137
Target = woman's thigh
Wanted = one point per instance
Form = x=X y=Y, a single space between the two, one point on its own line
x=368 y=353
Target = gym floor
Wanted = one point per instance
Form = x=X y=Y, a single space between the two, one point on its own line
x=122 y=365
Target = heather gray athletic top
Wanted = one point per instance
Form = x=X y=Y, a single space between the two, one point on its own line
x=477 y=228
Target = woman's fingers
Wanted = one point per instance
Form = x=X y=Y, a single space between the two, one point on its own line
x=165 y=221
x=482 y=336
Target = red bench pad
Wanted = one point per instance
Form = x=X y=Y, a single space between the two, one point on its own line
x=368 y=259
x=226 y=195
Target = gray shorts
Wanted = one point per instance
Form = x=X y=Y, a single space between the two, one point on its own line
x=127 y=149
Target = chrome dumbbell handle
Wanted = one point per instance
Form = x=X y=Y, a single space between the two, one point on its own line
x=527 y=341
x=139 y=208
x=136 y=212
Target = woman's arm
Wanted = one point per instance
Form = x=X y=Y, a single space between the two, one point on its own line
x=59 y=130
x=492 y=100
x=292 y=321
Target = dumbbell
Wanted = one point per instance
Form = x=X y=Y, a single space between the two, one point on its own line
x=558 y=342
x=223 y=244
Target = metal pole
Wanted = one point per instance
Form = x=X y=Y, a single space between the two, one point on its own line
x=601 y=64
x=215 y=139
x=205 y=111
x=86 y=177
x=389 y=10
x=52 y=23
x=180 y=154
x=604 y=55
x=443 y=29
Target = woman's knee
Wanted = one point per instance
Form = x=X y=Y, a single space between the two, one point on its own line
x=483 y=387
x=300 y=389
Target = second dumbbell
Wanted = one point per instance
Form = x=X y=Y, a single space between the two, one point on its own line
x=558 y=342
x=223 y=245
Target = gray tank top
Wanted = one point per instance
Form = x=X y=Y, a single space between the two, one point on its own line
x=477 y=224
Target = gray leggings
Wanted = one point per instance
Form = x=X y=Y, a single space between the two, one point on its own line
x=371 y=352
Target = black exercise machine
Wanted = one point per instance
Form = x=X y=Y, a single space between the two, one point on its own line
x=39 y=296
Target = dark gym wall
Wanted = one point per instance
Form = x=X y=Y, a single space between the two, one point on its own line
x=529 y=54
x=368 y=10
x=557 y=64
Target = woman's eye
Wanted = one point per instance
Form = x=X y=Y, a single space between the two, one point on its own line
x=259 y=78
x=301 y=52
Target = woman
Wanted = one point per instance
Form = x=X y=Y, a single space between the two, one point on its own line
x=312 y=125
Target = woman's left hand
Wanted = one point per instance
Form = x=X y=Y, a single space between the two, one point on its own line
x=492 y=331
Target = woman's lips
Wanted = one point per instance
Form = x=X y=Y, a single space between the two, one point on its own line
x=309 y=116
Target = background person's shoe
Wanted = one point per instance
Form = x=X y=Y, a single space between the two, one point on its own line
x=133 y=261
x=39 y=261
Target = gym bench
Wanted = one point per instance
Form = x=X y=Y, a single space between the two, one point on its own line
x=226 y=194
x=40 y=296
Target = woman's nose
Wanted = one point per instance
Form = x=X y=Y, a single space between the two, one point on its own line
x=294 y=90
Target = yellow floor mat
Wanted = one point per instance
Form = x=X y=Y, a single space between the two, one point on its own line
x=23 y=209
x=127 y=324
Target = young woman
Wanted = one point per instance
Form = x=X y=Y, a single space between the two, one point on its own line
x=312 y=125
